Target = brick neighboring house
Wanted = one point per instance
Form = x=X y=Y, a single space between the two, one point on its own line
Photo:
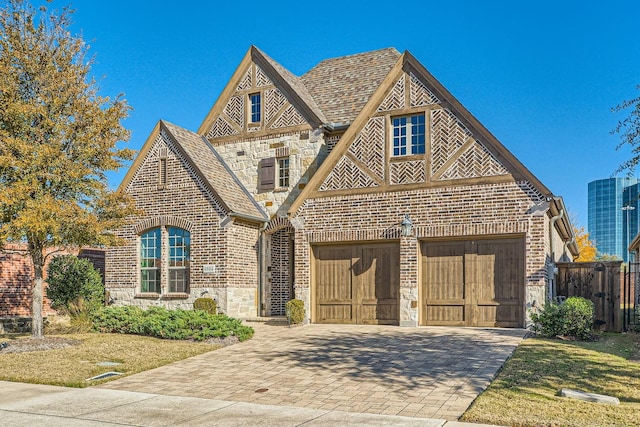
x=362 y=187
x=16 y=275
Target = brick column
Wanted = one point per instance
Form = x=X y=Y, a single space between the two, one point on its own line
x=409 y=302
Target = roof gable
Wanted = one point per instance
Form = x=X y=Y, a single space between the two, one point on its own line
x=459 y=149
x=203 y=159
x=286 y=103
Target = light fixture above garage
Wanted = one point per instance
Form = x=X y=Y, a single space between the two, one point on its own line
x=406 y=226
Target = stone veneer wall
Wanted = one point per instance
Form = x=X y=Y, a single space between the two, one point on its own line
x=454 y=211
x=306 y=150
x=183 y=202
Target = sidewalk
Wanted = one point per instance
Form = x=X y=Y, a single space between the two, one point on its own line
x=31 y=404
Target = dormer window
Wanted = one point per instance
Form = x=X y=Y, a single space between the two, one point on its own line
x=255 y=103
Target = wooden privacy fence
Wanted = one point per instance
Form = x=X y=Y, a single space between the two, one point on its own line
x=595 y=281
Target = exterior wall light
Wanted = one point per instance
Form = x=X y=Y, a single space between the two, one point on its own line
x=406 y=226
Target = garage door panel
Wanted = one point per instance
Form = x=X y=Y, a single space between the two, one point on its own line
x=500 y=315
x=444 y=266
x=334 y=286
x=450 y=315
x=484 y=277
x=378 y=272
x=365 y=277
x=335 y=313
x=380 y=312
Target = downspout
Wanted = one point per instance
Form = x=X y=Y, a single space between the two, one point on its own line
x=552 y=264
x=261 y=267
x=568 y=242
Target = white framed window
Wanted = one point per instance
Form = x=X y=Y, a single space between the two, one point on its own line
x=408 y=135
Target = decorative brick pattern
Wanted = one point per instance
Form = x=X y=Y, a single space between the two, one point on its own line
x=395 y=100
x=476 y=161
x=420 y=94
x=407 y=172
x=368 y=147
x=447 y=136
x=289 y=117
x=346 y=174
x=221 y=128
x=261 y=78
x=274 y=101
x=246 y=82
x=235 y=110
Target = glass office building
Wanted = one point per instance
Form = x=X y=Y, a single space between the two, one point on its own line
x=610 y=226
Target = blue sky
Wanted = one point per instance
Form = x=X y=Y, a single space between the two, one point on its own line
x=541 y=76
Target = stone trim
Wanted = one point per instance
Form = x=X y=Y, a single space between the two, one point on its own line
x=161 y=221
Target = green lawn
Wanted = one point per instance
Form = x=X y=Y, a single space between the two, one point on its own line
x=71 y=366
x=525 y=393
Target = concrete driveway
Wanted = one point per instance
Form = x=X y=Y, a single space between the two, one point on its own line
x=427 y=372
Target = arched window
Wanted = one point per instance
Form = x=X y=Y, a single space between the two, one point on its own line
x=150 y=260
x=179 y=253
x=169 y=262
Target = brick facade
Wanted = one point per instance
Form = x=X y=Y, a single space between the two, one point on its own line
x=16 y=275
x=346 y=184
x=470 y=211
x=226 y=247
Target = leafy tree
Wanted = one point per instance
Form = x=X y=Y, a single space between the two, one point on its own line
x=629 y=131
x=607 y=257
x=58 y=138
x=586 y=246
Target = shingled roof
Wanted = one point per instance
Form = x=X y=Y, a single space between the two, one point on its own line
x=342 y=86
x=294 y=82
x=223 y=183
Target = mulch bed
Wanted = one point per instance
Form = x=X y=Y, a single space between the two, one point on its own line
x=21 y=345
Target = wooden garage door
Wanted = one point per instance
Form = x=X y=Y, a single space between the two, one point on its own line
x=473 y=283
x=357 y=283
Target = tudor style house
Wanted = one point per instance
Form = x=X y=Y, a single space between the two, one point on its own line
x=362 y=187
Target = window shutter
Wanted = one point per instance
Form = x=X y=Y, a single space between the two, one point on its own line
x=267 y=174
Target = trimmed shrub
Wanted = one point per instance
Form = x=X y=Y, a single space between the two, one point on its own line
x=206 y=304
x=573 y=318
x=295 y=311
x=578 y=318
x=177 y=324
x=71 y=279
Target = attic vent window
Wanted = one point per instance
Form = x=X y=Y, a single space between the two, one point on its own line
x=162 y=172
x=408 y=133
x=255 y=103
